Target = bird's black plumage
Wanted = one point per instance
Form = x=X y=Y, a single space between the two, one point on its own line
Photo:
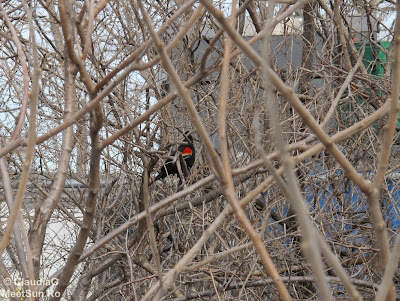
x=188 y=153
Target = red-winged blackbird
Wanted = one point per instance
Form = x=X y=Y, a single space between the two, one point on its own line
x=188 y=153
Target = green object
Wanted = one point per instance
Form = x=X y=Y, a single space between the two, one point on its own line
x=375 y=61
x=375 y=57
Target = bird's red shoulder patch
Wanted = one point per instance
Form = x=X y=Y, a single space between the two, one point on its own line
x=187 y=151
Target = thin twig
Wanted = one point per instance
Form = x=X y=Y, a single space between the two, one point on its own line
x=22 y=58
x=343 y=88
x=374 y=206
x=150 y=225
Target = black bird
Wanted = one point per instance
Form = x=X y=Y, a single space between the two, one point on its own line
x=188 y=153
